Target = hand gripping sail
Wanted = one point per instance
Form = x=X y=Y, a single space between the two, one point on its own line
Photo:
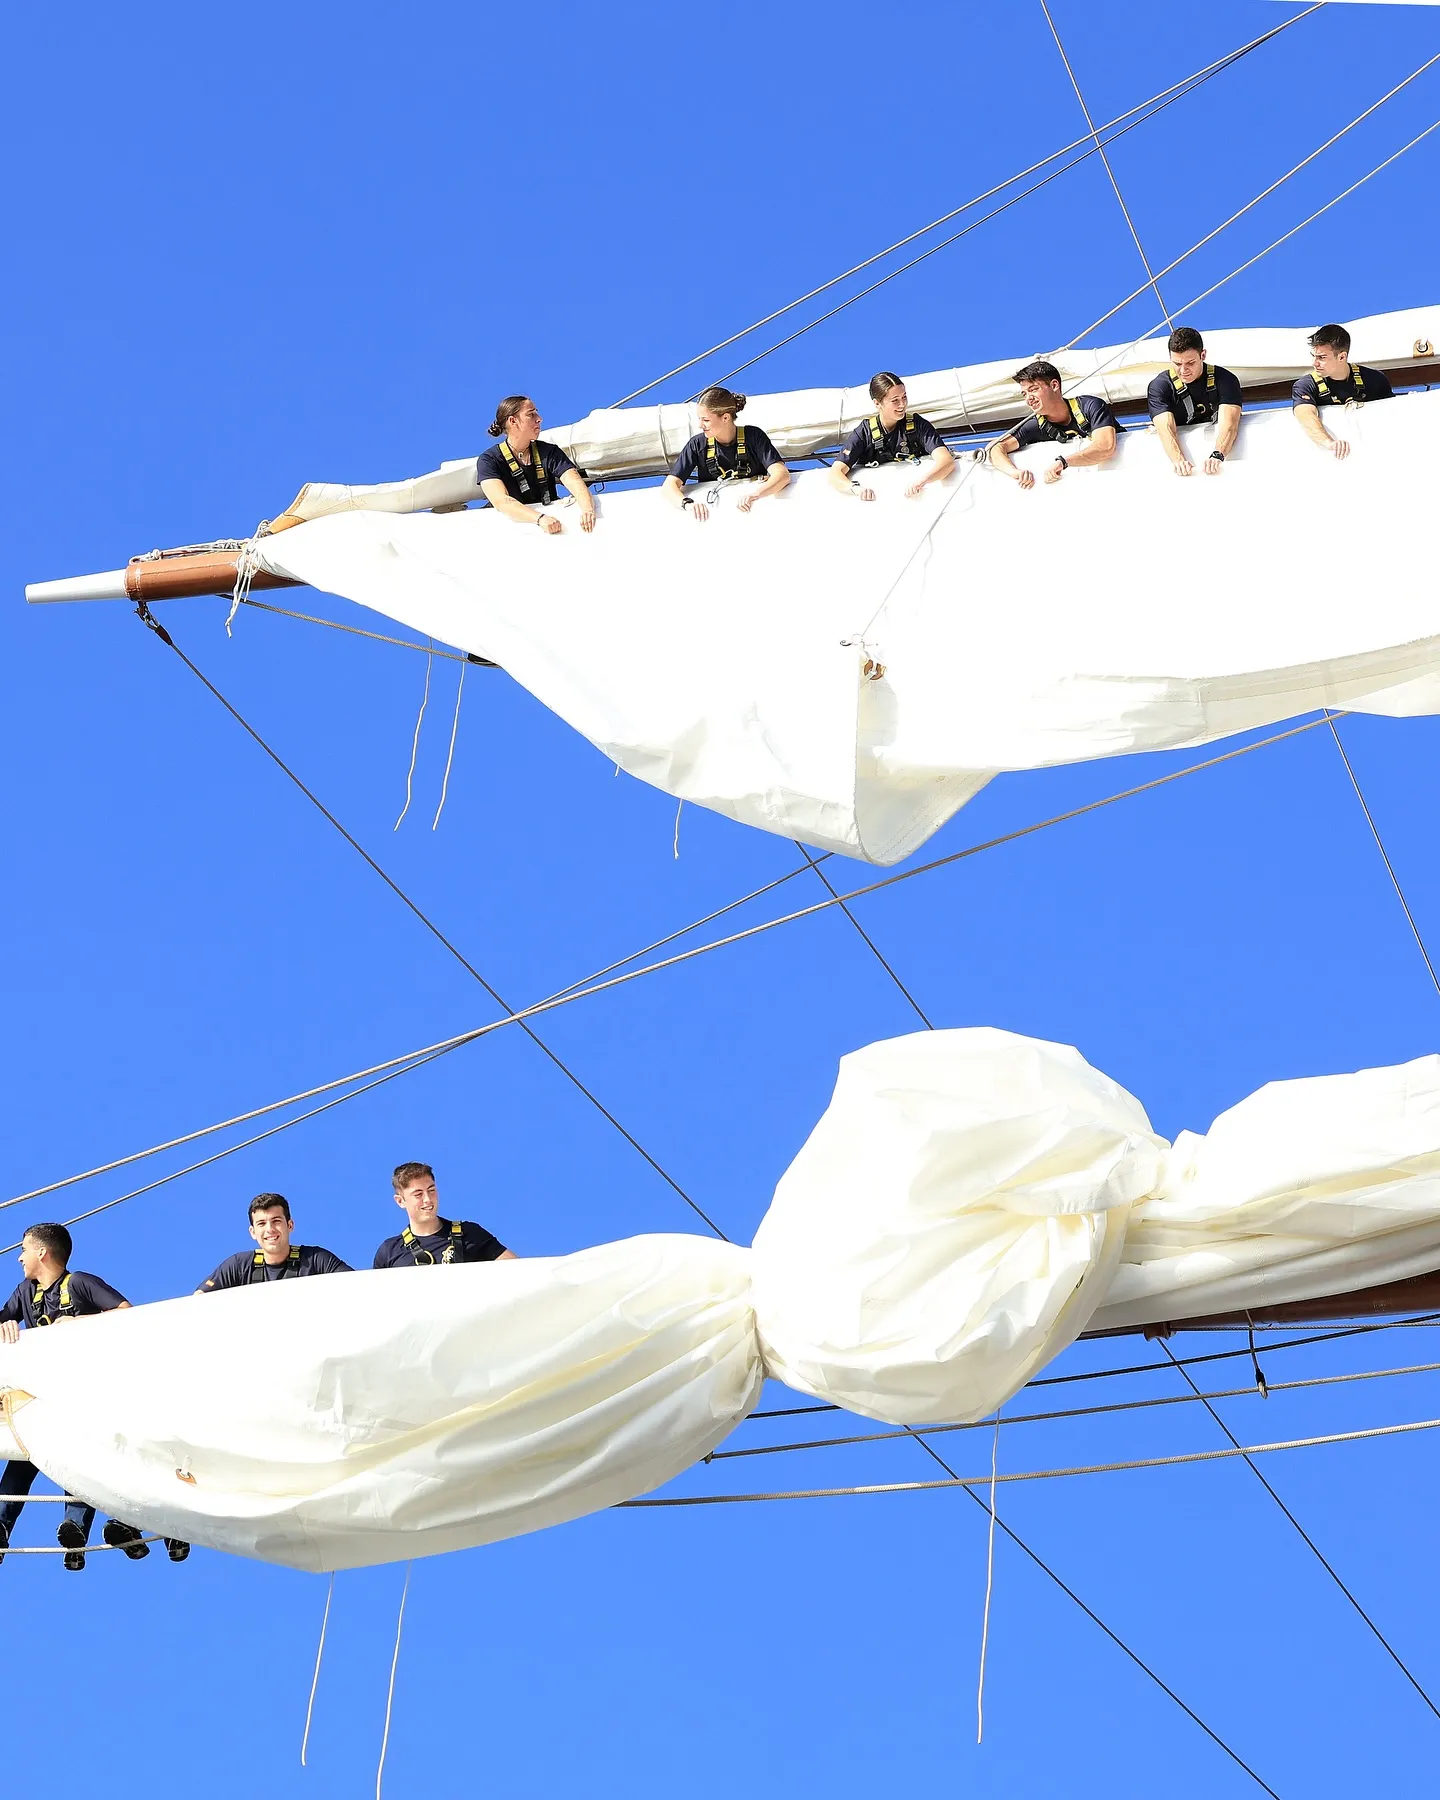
x=969 y=1203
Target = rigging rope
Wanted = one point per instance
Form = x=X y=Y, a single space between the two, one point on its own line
x=390 y=1693
x=1108 y=1468
x=315 y=1679
x=415 y=741
x=1384 y=853
x=379 y=637
x=1304 y=1535
x=1178 y=90
x=154 y=625
x=812 y=862
x=1072 y=1412
x=444 y=1045
x=450 y=754
x=1095 y=1619
x=989 y=1586
x=1105 y=160
x=1264 y=194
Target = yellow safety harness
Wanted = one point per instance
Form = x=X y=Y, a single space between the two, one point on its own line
x=522 y=474
x=423 y=1257
x=63 y=1310
x=742 y=470
x=1181 y=390
x=292 y=1266
x=1323 y=390
x=911 y=451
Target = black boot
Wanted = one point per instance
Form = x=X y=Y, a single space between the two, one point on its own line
x=126 y=1538
x=73 y=1539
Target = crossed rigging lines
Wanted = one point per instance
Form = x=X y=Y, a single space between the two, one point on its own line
x=579 y=990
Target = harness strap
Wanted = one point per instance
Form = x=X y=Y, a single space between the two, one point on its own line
x=37 y=1302
x=521 y=475
x=1077 y=413
x=1322 y=387
x=741 y=471
x=292 y=1266
x=451 y=1252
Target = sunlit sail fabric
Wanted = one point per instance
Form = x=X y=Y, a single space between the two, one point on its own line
x=968 y=1204
x=1119 y=610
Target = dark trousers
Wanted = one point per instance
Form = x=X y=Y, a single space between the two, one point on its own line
x=17 y=1478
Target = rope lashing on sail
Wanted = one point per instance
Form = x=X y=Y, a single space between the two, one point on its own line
x=1166 y=95
x=1177 y=1460
x=247 y=567
x=415 y=1058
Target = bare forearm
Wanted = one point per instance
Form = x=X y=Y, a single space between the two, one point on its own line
x=1169 y=439
x=1229 y=429
x=1308 y=419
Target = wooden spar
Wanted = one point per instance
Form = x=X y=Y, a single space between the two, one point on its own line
x=183 y=574
x=1417 y=1294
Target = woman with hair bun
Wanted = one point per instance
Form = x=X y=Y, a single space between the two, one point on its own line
x=520 y=473
x=891 y=434
x=723 y=450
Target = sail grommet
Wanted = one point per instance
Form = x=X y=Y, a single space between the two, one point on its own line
x=873 y=670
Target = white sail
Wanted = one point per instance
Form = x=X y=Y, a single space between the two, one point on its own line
x=621 y=441
x=970 y=1201
x=1120 y=610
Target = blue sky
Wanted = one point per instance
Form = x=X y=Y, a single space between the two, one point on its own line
x=257 y=247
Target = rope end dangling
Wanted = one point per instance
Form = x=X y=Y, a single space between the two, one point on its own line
x=1260 y=1382
x=247 y=567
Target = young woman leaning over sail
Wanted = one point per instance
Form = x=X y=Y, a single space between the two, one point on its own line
x=723 y=450
x=521 y=472
x=892 y=433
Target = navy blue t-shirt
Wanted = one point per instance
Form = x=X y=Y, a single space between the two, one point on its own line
x=240 y=1270
x=1375 y=385
x=87 y=1294
x=760 y=456
x=476 y=1245
x=527 y=486
x=1194 y=402
x=859 y=449
x=1038 y=430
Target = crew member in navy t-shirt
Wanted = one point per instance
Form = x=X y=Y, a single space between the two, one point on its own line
x=1194 y=392
x=51 y=1293
x=428 y=1237
x=724 y=450
x=1335 y=381
x=892 y=433
x=1085 y=421
x=522 y=471
x=276 y=1259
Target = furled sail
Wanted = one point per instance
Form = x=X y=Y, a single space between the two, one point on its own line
x=969 y=1203
x=621 y=441
x=1119 y=610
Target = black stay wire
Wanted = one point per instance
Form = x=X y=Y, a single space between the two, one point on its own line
x=148 y=618
x=1309 y=1542
x=414 y=1058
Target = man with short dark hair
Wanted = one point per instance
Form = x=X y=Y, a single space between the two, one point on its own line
x=1335 y=381
x=429 y=1238
x=50 y=1294
x=1085 y=420
x=277 y=1258
x=1194 y=392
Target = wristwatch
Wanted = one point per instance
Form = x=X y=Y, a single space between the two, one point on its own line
x=1062 y=462
x=1217 y=456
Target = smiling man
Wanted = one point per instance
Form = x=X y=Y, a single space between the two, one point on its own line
x=428 y=1237
x=1083 y=429
x=276 y=1259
